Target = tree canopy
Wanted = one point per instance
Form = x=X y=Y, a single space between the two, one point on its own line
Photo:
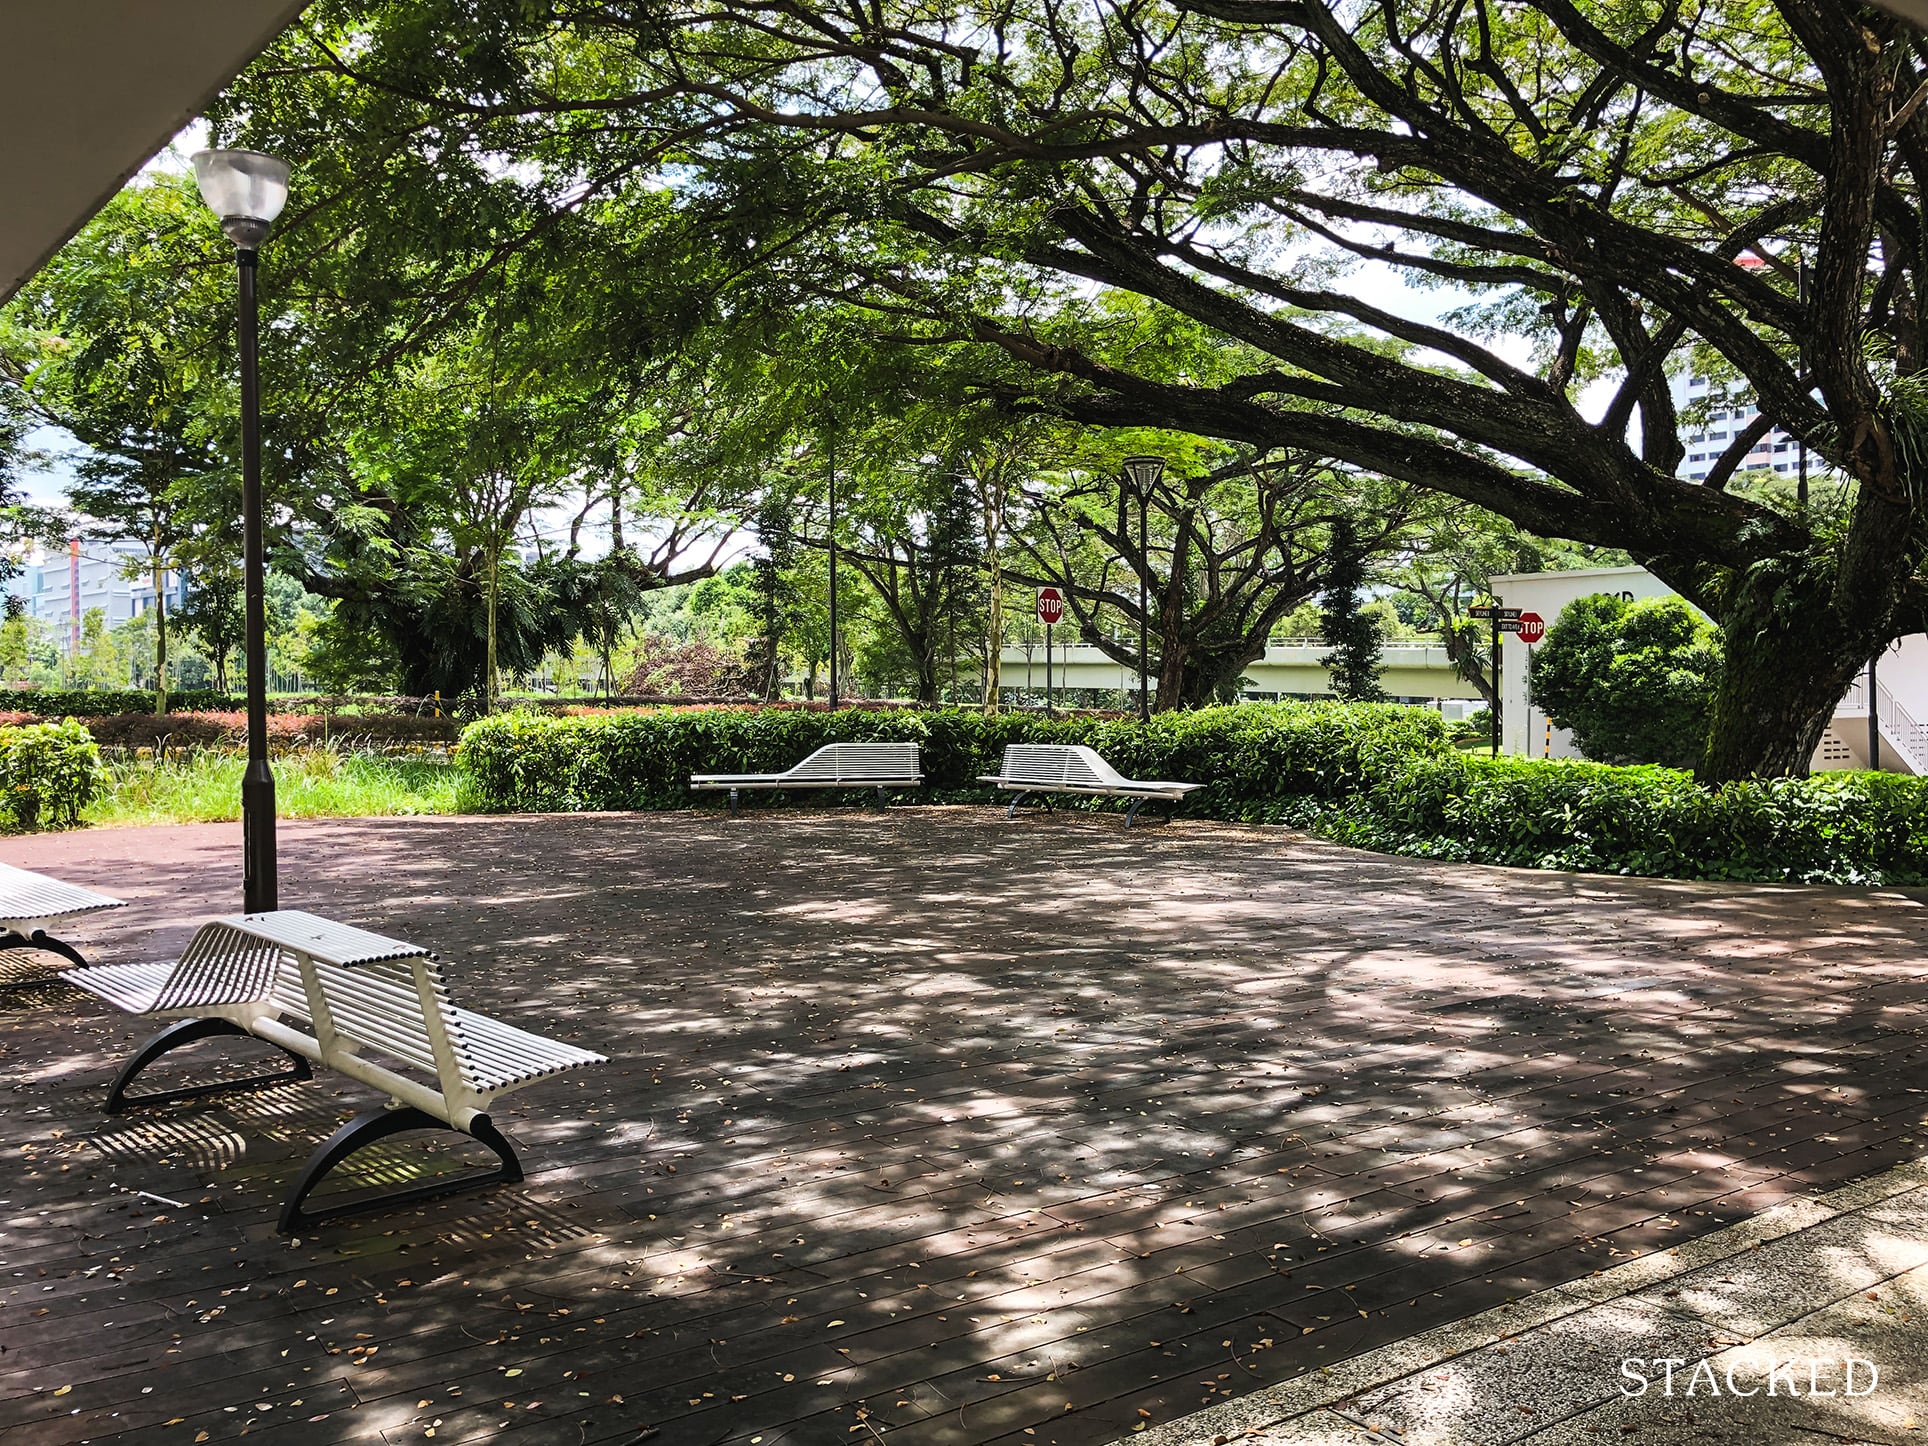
x=990 y=176
x=1426 y=261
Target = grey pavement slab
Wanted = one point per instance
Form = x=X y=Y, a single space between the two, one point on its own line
x=1790 y=1338
x=1508 y=1391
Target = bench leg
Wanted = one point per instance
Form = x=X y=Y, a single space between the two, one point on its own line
x=188 y=1031
x=1043 y=800
x=882 y=802
x=733 y=803
x=42 y=940
x=378 y=1124
x=1131 y=814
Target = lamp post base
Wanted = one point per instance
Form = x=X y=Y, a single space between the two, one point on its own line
x=259 y=892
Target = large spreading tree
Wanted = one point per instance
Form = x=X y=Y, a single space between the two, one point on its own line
x=1586 y=175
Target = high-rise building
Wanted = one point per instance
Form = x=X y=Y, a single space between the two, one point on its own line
x=1727 y=418
x=60 y=587
x=1729 y=412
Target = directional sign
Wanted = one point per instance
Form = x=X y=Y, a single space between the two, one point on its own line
x=1487 y=611
x=1532 y=627
x=1050 y=606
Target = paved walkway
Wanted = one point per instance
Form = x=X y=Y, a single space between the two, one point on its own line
x=930 y=1125
x=1804 y=1326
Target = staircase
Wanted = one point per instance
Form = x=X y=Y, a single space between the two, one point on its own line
x=1904 y=741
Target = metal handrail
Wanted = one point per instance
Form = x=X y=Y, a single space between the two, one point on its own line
x=1908 y=737
x=1900 y=729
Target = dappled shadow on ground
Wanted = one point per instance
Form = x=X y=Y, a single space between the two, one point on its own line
x=929 y=1124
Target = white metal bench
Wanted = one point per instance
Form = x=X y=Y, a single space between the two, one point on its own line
x=30 y=902
x=835 y=765
x=1042 y=769
x=333 y=994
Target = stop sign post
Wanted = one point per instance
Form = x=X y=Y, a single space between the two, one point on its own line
x=1500 y=620
x=1050 y=613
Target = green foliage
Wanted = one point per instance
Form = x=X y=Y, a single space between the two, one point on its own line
x=1474 y=728
x=49 y=772
x=342 y=657
x=103 y=702
x=203 y=785
x=1377 y=776
x=1832 y=828
x=774 y=583
x=213 y=612
x=1356 y=636
x=1145 y=216
x=1254 y=754
x=1633 y=680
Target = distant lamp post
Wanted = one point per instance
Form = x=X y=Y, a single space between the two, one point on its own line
x=247 y=191
x=1141 y=475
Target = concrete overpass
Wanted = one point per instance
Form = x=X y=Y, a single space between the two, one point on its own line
x=1414 y=671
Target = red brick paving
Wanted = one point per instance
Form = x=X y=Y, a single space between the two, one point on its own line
x=931 y=1125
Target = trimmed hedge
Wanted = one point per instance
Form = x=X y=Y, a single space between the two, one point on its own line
x=100 y=702
x=49 y=772
x=1377 y=776
x=643 y=759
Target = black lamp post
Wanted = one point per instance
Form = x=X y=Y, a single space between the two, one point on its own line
x=1141 y=474
x=247 y=191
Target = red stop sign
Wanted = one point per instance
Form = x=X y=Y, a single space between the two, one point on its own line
x=1050 y=605
x=1532 y=627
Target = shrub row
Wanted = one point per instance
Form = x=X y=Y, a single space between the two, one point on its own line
x=1833 y=828
x=642 y=759
x=1377 y=776
x=100 y=702
x=285 y=730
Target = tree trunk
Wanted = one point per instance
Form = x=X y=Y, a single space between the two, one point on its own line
x=489 y=687
x=927 y=673
x=994 y=635
x=160 y=637
x=1786 y=661
x=1469 y=659
x=1208 y=674
x=1173 y=656
x=1169 y=690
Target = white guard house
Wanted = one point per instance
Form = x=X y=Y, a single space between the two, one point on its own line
x=1901 y=679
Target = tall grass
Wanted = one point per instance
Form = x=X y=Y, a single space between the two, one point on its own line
x=204 y=786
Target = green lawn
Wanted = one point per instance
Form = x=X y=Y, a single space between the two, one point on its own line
x=205 y=786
